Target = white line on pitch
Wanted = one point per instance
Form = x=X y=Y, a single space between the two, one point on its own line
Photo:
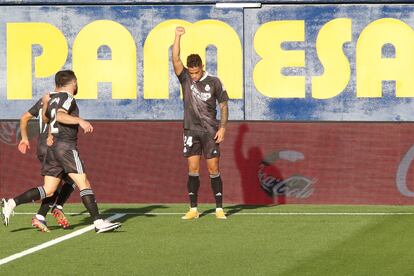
x=326 y=214
x=53 y=242
x=262 y=214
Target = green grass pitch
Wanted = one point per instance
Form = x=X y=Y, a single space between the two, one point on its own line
x=356 y=240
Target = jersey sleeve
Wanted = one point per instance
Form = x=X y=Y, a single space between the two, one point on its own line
x=35 y=109
x=67 y=102
x=184 y=75
x=221 y=93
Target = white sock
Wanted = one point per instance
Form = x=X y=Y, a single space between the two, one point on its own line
x=219 y=209
x=193 y=209
x=40 y=217
x=11 y=203
x=97 y=222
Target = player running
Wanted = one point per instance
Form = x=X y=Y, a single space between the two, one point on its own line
x=63 y=157
x=59 y=198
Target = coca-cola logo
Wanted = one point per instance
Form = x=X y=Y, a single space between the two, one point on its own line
x=297 y=186
x=9 y=133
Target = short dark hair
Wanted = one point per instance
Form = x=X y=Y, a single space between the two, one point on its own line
x=63 y=77
x=194 y=60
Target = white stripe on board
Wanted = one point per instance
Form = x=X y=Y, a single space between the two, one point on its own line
x=53 y=242
x=254 y=214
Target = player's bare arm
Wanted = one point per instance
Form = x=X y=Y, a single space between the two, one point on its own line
x=49 y=139
x=24 y=142
x=64 y=118
x=224 y=111
x=177 y=63
x=45 y=102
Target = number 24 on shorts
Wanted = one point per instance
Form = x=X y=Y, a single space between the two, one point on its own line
x=188 y=142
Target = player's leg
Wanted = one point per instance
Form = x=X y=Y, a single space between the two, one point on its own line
x=216 y=185
x=86 y=193
x=46 y=204
x=48 y=201
x=212 y=155
x=39 y=220
x=193 y=184
x=62 y=196
x=68 y=157
x=89 y=201
x=67 y=189
x=38 y=193
x=69 y=160
x=192 y=151
x=52 y=172
x=50 y=186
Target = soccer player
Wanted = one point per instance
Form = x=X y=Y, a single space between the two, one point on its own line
x=59 y=198
x=202 y=131
x=63 y=157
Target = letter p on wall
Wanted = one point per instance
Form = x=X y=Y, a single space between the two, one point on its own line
x=20 y=39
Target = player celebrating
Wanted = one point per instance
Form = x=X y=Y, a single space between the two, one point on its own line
x=63 y=157
x=59 y=198
x=202 y=132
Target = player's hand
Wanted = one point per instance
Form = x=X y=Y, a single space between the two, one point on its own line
x=45 y=98
x=86 y=126
x=179 y=31
x=220 y=135
x=23 y=146
x=49 y=140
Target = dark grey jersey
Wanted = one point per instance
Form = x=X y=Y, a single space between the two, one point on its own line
x=65 y=101
x=200 y=101
x=36 y=111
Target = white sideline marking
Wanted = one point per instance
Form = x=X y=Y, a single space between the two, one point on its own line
x=259 y=214
x=53 y=242
x=326 y=214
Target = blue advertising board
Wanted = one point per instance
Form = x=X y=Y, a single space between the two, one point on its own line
x=291 y=62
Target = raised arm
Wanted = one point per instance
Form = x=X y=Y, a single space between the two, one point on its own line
x=224 y=117
x=24 y=142
x=177 y=63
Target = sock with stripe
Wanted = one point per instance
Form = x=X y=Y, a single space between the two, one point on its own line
x=217 y=187
x=192 y=185
x=65 y=193
x=46 y=204
x=88 y=199
x=30 y=195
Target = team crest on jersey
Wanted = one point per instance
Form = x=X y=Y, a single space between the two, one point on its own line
x=207 y=88
x=202 y=96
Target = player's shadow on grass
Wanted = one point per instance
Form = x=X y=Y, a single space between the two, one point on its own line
x=51 y=228
x=129 y=213
x=134 y=212
x=230 y=210
x=86 y=220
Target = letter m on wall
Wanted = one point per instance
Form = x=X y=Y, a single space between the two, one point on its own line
x=197 y=38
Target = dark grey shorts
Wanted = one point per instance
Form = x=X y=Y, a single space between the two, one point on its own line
x=200 y=143
x=62 y=158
